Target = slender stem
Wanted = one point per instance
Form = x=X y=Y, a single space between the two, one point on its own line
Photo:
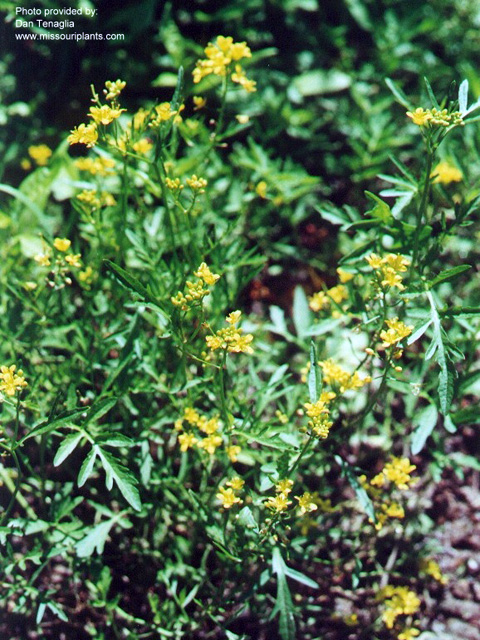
x=422 y=209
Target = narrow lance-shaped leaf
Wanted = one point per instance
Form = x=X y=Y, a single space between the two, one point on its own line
x=283 y=604
x=124 y=479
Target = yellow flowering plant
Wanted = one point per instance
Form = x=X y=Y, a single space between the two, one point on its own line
x=176 y=406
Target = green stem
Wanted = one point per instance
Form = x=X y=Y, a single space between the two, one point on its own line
x=422 y=209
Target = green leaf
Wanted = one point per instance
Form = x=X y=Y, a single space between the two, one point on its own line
x=302 y=316
x=425 y=422
x=246 y=519
x=431 y=95
x=65 y=419
x=463 y=97
x=100 y=408
x=283 y=603
x=124 y=479
x=87 y=466
x=448 y=274
x=381 y=210
x=399 y=94
x=360 y=492
x=115 y=440
x=67 y=446
x=131 y=282
x=95 y=539
x=300 y=577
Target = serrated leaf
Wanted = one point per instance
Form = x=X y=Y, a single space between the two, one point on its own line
x=66 y=447
x=302 y=316
x=448 y=274
x=48 y=426
x=124 y=479
x=87 y=466
x=425 y=422
x=381 y=210
x=115 y=440
x=419 y=332
x=95 y=539
x=100 y=408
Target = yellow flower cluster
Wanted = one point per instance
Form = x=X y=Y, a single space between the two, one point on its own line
x=334 y=375
x=398 y=601
x=306 y=503
x=445 y=173
x=319 y=414
x=174 y=184
x=96 y=166
x=228 y=497
x=389 y=268
x=40 y=154
x=197 y=184
x=219 y=60
x=61 y=245
x=231 y=338
x=198 y=424
x=142 y=146
x=396 y=331
x=104 y=114
x=11 y=380
x=95 y=200
x=86 y=134
x=322 y=299
x=442 y=118
x=429 y=567
x=280 y=502
x=397 y=471
x=196 y=291
x=113 y=88
x=163 y=112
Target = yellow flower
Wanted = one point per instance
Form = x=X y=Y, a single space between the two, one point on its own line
x=236 y=483
x=143 y=146
x=186 y=440
x=284 y=486
x=163 y=113
x=210 y=444
x=261 y=189
x=306 y=503
x=278 y=503
x=374 y=261
x=232 y=452
x=40 y=154
x=397 y=330
x=174 y=185
x=242 y=118
x=43 y=259
x=203 y=272
x=398 y=601
x=104 y=114
x=61 y=244
x=344 y=276
x=397 y=471
x=391 y=278
x=11 y=382
x=230 y=338
x=113 y=88
x=84 y=134
x=73 y=259
x=96 y=166
x=445 y=173
x=419 y=116
x=240 y=78
x=197 y=184
x=219 y=57
x=227 y=497
x=431 y=568
x=318 y=301
x=199 y=102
